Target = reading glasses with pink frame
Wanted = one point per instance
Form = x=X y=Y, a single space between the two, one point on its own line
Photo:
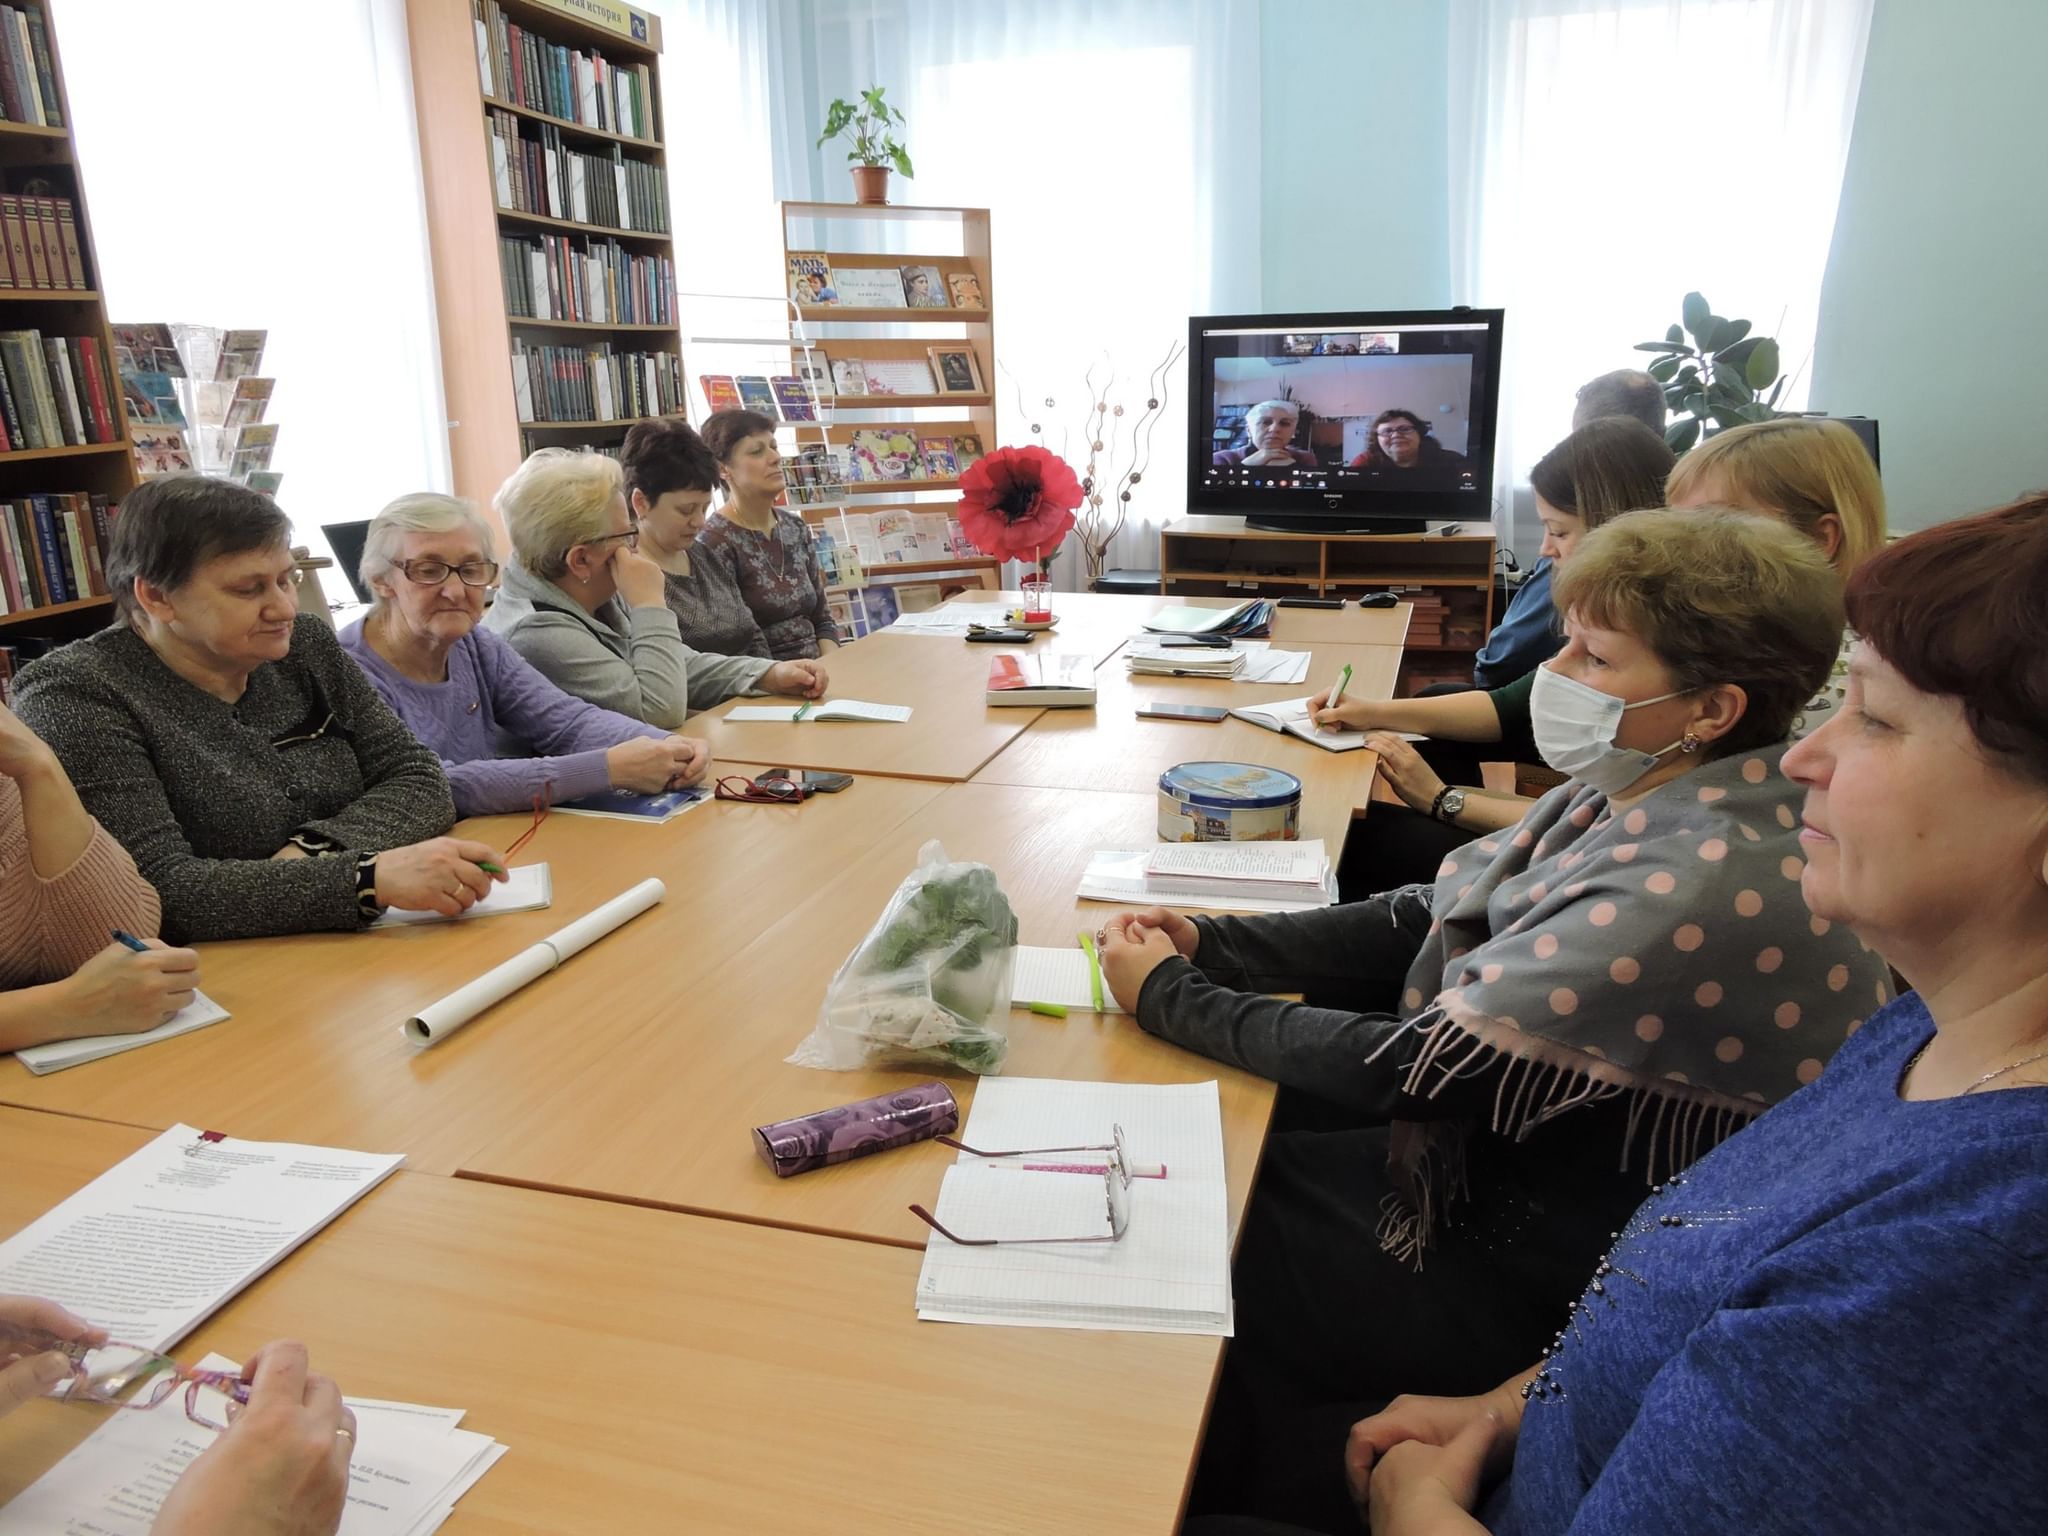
x=1116 y=1192
x=129 y=1376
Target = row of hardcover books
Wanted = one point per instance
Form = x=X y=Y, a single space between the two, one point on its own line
x=55 y=392
x=41 y=248
x=594 y=383
x=543 y=175
x=529 y=71
x=575 y=277
x=50 y=549
x=28 y=85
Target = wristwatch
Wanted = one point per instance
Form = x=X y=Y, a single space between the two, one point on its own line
x=1449 y=803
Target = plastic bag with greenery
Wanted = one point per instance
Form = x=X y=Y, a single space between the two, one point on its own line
x=930 y=984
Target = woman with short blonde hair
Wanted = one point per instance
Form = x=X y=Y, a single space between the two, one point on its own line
x=505 y=735
x=588 y=610
x=1816 y=475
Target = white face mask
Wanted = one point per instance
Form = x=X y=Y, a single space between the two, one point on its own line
x=1574 y=726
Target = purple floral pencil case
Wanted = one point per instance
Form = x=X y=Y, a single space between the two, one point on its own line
x=856 y=1130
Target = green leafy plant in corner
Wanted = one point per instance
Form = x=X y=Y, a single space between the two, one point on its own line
x=1717 y=379
x=871 y=125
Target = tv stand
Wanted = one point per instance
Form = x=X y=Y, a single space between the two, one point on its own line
x=1447 y=577
x=1320 y=522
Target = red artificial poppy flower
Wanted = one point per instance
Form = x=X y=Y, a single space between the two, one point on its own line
x=1018 y=503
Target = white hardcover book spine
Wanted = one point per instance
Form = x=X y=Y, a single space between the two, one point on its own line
x=81 y=569
x=543 y=287
x=522 y=385
x=483 y=57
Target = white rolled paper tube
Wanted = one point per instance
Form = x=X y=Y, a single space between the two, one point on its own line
x=438 y=1020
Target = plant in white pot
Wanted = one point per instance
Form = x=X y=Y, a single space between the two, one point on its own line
x=870 y=124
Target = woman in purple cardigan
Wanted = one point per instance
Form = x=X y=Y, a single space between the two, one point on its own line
x=503 y=732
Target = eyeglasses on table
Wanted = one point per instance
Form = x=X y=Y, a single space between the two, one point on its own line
x=1116 y=1191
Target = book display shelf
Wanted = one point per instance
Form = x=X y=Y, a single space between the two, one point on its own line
x=51 y=300
x=542 y=141
x=886 y=300
x=1446 y=577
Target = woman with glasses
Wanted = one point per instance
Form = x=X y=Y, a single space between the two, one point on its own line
x=280 y=1467
x=503 y=732
x=590 y=612
x=230 y=745
x=1402 y=440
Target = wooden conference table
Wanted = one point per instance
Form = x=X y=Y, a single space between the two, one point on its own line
x=655 y=1373
x=636 y=1072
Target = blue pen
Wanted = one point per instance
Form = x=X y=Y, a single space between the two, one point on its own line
x=131 y=941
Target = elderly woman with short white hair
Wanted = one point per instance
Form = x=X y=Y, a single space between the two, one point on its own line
x=503 y=732
x=590 y=612
x=1269 y=429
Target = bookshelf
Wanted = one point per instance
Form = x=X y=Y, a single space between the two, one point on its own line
x=1447 y=576
x=593 y=274
x=40 y=160
x=886 y=238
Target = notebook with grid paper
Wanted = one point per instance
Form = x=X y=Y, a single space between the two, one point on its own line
x=1170 y=1272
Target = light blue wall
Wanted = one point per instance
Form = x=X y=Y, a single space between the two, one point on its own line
x=1355 y=198
x=1936 y=301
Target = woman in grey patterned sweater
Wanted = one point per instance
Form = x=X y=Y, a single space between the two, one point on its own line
x=231 y=745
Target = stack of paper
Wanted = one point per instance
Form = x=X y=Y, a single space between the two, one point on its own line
x=1170 y=1272
x=1192 y=661
x=1269 y=871
x=159 y=1241
x=1254 y=616
x=954 y=619
x=1127 y=879
x=59 y=1054
x=409 y=1466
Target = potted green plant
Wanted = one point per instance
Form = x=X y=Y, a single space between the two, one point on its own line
x=1714 y=380
x=871 y=125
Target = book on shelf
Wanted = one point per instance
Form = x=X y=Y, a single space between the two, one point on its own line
x=587 y=278
x=884 y=453
x=160 y=451
x=152 y=398
x=10 y=661
x=966 y=450
x=52 y=549
x=810 y=279
x=939 y=460
x=815 y=473
x=757 y=394
x=265 y=480
x=248 y=449
x=814 y=368
x=593 y=382
x=41 y=249
x=923 y=288
x=870 y=288
x=849 y=376
x=899 y=376
x=241 y=353
x=28 y=81
x=1052 y=680
x=55 y=392
x=792 y=398
x=533 y=171
x=516 y=64
x=721 y=392
x=965 y=288
x=248 y=403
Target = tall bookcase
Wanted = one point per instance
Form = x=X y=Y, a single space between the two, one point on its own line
x=886 y=238
x=479 y=326
x=34 y=157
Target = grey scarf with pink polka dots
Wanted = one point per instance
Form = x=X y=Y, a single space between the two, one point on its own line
x=1660 y=950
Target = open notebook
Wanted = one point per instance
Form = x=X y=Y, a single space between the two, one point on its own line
x=1291 y=718
x=1170 y=1273
x=837 y=709
x=1067 y=978
x=59 y=1054
x=525 y=888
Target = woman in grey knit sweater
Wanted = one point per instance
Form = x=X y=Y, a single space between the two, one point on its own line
x=231 y=745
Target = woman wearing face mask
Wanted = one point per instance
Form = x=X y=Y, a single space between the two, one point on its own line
x=584 y=606
x=1576 y=1009
x=503 y=732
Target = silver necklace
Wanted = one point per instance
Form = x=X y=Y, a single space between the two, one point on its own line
x=1988 y=1077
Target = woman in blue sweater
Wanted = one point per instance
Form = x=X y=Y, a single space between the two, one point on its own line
x=1834 y=1322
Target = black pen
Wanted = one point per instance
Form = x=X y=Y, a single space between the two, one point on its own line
x=131 y=941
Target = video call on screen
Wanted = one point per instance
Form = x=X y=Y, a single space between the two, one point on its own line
x=1391 y=407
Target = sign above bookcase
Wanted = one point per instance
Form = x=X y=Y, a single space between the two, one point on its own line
x=623 y=20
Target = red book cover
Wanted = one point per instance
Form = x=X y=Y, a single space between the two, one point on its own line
x=96 y=387
x=721 y=393
x=518 y=51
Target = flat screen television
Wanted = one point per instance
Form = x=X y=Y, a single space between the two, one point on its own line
x=1366 y=422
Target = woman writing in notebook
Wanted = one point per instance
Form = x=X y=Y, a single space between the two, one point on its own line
x=280 y=1468
x=65 y=887
x=229 y=743
x=1575 y=1010
x=588 y=610
x=503 y=732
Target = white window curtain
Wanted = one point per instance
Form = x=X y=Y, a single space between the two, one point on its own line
x=256 y=164
x=1608 y=156
x=1116 y=147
